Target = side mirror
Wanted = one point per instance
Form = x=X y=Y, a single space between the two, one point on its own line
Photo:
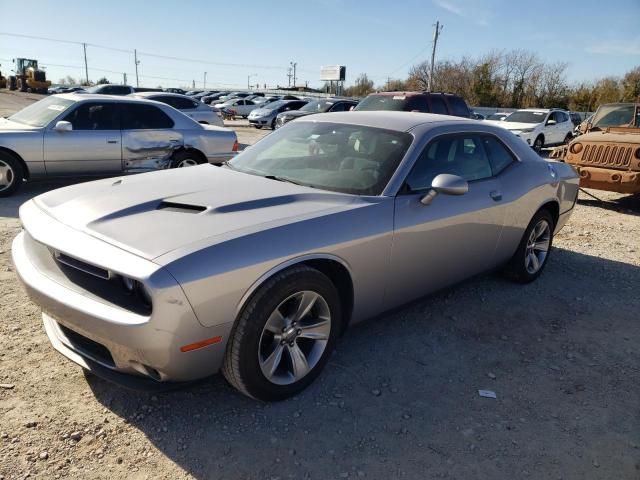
x=445 y=184
x=551 y=122
x=63 y=126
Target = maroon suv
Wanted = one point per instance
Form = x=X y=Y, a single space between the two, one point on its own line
x=428 y=102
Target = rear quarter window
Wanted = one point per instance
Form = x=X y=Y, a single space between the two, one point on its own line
x=457 y=106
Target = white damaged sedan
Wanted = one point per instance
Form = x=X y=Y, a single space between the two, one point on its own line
x=101 y=135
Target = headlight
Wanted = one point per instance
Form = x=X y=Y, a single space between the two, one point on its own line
x=135 y=287
x=575 y=148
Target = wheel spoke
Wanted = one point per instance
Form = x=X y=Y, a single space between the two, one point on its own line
x=534 y=261
x=317 y=331
x=298 y=361
x=541 y=246
x=276 y=322
x=272 y=362
x=307 y=300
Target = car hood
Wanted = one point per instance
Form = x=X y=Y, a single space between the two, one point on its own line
x=155 y=213
x=261 y=112
x=7 y=125
x=295 y=114
x=517 y=125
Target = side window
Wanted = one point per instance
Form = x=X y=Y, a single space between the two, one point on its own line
x=563 y=117
x=459 y=154
x=142 y=117
x=438 y=105
x=95 y=116
x=182 y=103
x=499 y=156
x=457 y=106
x=418 y=102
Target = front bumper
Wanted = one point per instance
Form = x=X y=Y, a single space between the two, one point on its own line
x=608 y=179
x=99 y=334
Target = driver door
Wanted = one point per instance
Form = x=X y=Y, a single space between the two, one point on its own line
x=454 y=237
x=93 y=147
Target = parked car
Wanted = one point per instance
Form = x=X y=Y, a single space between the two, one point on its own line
x=497 y=117
x=240 y=106
x=192 y=108
x=209 y=99
x=65 y=89
x=576 y=119
x=428 y=102
x=206 y=93
x=110 y=89
x=263 y=101
x=540 y=127
x=175 y=90
x=477 y=116
x=316 y=106
x=257 y=267
x=87 y=134
x=265 y=116
x=191 y=93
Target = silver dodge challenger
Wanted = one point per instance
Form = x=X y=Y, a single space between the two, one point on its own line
x=257 y=266
x=84 y=134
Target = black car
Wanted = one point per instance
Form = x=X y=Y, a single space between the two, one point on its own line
x=175 y=90
x=427 y=102
x=213 y=97
x=317 y=106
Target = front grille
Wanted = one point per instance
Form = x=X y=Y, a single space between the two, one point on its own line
x=88 y=347
x=608 y=155
x=82 y=266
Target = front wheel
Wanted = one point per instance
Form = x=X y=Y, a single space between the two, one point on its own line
x=284 y=335
x=533 y=252
x=258 y=127
x=11 y=174
x=538 y=144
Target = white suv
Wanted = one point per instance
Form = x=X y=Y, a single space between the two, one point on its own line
x=540 y=127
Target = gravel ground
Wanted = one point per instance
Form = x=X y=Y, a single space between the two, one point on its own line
x=398 y=399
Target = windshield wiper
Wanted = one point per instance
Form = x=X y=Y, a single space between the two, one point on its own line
x=284 y=179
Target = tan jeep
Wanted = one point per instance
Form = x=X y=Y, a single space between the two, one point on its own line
x=607 y=155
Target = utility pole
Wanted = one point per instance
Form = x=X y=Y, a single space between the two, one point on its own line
x=135 y=58
x=289 y=75
x=204 y=84
x=124 y=78
x=294 y=65
x=249 y=80
x=436 y=34
x=86 y=69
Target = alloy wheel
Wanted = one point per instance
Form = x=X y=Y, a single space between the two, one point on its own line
x=294 y=337
x=187 y=162
x=538 y=246
x=7 y=176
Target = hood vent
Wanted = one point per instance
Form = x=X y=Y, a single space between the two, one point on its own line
x=181 y=207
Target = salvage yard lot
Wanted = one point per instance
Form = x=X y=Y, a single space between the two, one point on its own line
x=398 y=399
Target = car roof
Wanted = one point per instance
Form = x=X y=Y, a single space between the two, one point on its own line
x=389 y=120
x=158 y=94
x=97 y=96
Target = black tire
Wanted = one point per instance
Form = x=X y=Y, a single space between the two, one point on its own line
x=241 y=364
x=11 y=169
x=273 y=124
x=183 y=157
x=567 y=139
x=538 y=143
x=258 y=126
x=517 y=268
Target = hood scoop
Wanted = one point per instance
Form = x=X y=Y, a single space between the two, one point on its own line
x=180 y=207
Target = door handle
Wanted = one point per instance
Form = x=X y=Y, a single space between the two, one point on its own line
x=496 y=195
x=112 y=141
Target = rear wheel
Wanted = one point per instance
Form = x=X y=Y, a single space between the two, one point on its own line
x=568 y=138
x=11 y=174
x=533 y=252
x=258 y=126
x=185 y=158
x=284 y=335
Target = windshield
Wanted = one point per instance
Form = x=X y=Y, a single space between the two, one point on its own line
x=396 y=103
x=339 y=157
x=318 y=106
x=41 y=113
x=95 y=89
x=615 y=116
x=497 y=116
x=523 y=116
x=275 y=105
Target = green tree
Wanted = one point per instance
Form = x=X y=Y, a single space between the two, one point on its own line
x=361 y=88
x=631 y=85
x=102 y=81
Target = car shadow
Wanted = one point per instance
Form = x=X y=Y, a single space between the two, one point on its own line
x=629 y=204
x=400 y=394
